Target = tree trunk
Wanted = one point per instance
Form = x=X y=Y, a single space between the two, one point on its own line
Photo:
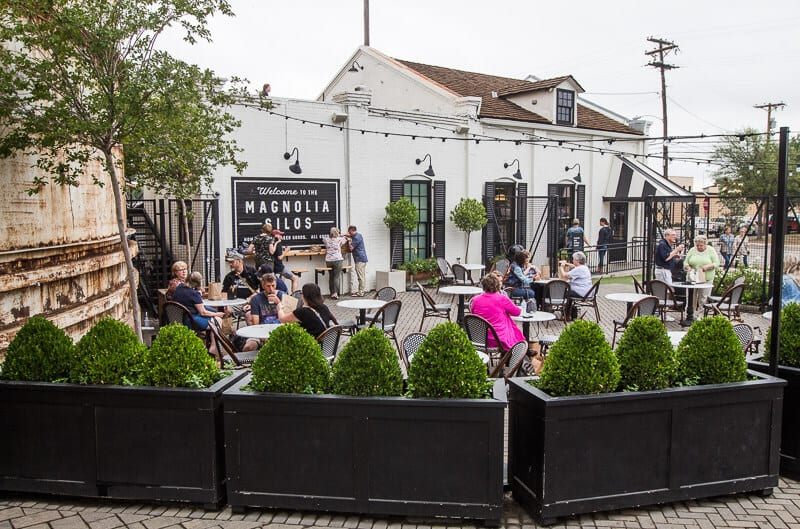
x=185 y=228
x=466 y=252
x=112 y=171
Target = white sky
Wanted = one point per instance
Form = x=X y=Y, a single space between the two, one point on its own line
x=734 y=54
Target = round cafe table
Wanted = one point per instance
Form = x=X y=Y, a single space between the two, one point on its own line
x=528 y=317
x=258 y=332
x=690 y=288
x=461 y=291
x=224 y=302
x=362 y=305
x=626 y=297
x=469 y=267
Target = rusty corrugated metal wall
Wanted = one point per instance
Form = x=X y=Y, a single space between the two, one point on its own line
x=60 y=254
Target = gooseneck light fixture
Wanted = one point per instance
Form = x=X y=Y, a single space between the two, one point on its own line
x=518 y=174
x=429 y=170
x=295 y=167
x=355 y=67
x=577 y=177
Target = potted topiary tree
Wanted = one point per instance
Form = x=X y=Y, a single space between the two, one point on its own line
x=94 y=427
x=789 y=370
x=469 y=215
x=401 y=216
x=578 y=446
x=367 y=449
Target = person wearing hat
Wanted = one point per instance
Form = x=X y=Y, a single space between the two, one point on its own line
x=240 y=275
x=277 y=258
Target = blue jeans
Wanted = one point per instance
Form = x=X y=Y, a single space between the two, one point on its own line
x=727 y=258
x=601 y=253
x=525 y=293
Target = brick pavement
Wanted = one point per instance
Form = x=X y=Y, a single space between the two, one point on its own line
x=780 y=511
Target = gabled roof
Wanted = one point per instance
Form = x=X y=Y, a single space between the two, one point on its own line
x=482 y=85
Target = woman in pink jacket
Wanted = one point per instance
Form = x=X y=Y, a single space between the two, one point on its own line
x=497 y=309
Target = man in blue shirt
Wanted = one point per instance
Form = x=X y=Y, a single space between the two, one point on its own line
x=359 y=257
x=667 y=257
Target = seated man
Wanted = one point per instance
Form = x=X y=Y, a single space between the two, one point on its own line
x=264 y=307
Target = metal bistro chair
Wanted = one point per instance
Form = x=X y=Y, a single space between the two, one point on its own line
x=411 y=343
x=431 y=309
x=589 y=300
x=511 y=362
x=386 y=320
x=644 y=307
x=329 y=340
x=461 y=275
x=738 y=281
x=384 y=294
x=298 y=295
x=746 y=335
x=224 y=345
x=175 y=312
x=666 y=298
x=556 y=297
x=445 y=276
x=501 y=267
x=728 y=305
x=638 y=287
x=478 y=331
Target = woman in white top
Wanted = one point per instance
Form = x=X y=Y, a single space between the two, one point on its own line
x=334 y=259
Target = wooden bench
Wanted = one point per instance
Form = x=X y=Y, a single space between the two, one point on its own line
x=299 y=271
x=320 y=271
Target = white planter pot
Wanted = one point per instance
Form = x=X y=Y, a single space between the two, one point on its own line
x=392 y=278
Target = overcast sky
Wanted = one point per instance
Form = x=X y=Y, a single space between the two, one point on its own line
x=733 y=54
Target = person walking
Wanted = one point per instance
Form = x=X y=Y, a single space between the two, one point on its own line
x=575 y=238
x=726 y=246
x=359 y=258
x=603 y=240
x=667 y=257
x=334 y=259
x=741 y=247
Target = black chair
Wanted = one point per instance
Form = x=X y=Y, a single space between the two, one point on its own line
x=728 y=304
x=589 y=300
x=509 y=365
x=386 y=320
x=738 y=281
x=383 y=294
x=478 y=330
x=445 y=276
x=746 y=335
x=667 y=301
x=431 y=309
x=638 y=287
x=411 y=343
x=556 y=297
x=329 y=340
x=644 y=307
x=461 y=274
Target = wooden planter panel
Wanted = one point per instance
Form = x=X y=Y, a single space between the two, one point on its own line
x=380 y=456
x=572 y=455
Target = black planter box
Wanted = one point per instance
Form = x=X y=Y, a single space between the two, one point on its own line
x=127 y=442
x=377 y=456
x=790 y=430
x=574 y=455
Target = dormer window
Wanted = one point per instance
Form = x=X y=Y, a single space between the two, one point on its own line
x=565 y=107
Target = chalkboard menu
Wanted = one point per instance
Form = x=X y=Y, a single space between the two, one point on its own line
x=304 y=209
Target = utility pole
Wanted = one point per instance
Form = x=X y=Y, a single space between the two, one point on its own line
x=657 y=61
x=366 y=22
x=768 y=107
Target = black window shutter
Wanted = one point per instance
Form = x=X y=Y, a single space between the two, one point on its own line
x=522 y=214
x=396 y=234
x=439 y=217
x=553 y=239
x=490 y=230
x=580 y=204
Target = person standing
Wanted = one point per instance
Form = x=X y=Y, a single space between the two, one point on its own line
x=334 y=259
x=575 y=238
x=703 y=259
x=667 y=257
x=726 y=241
x=359 y=258
x=603 y=240
x=741 y=246
x=263 y=246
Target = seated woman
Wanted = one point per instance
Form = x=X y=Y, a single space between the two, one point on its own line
x=520 y=278
x=188 y=295
x=497 y=309
x=790 y=290
x=180 y=270
x=313 y=316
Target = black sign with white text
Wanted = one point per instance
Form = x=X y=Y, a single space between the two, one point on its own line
x=304 y=209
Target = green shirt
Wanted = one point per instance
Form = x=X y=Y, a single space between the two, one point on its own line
x=697 y=259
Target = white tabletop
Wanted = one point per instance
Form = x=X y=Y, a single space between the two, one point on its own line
x=675 y=337
x=543 y=281
x=680 y=284
x=539 y=315
x=224 y=302
x=260 y=332
x=462 y=290
x=626 y=297
x=361 y=303
x=473 y=266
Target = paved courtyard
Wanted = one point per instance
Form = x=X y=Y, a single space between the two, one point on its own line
x=781 y=510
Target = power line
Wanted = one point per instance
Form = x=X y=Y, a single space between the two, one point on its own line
x=664 y=47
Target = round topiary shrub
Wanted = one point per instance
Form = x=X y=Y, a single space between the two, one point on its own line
x=367 y=367
x=789 y=352
x=580 y=362
x=710 y=353
x=40 y=352
x=110 y=353
x=447 y=366
x=291 y=361
x=178 y=358
x=645 y=354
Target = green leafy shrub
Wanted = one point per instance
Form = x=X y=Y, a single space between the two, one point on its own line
x=645 y=354
x=39 y=352
x=753 y=292
x=368 y=367
x=178 y=358
x=110 y=353
x=711 y=353
x=447 y=366
x=580 y=362
x=789 y=352
x=420 y=266
x=291 y=361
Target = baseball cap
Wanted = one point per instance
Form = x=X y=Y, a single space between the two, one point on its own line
x=232 y=256
x=277 y=232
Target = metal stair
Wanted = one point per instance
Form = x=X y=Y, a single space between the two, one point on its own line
x=153 y=259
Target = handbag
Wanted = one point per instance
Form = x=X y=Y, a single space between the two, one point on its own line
x=531 y=306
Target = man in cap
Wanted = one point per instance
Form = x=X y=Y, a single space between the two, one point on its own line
x=278 y=249
x=239 y=276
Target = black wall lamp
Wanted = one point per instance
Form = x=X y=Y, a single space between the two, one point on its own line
x=295 y=167
x=429 y=170
x=355 y=67
x=577 y=177
x=518 y=174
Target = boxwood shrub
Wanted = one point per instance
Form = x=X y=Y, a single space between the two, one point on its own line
x=447 y=366
x=367 y=367
x=291 y=361
x=710 y=353
x=646 y=356
x=178 y=358
x=789 y=352
x=110 y=353
x=40 y=352
x=580 y=362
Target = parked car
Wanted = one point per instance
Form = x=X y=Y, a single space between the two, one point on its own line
x=792 y=223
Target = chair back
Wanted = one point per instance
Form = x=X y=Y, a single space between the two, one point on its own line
x=745 y=334
x=174 y=312
x=736 y=292
x=501 y=266
x=386 y=294
x=645 y=307
x=638 y=288
x=444 y=267
x=739 y=280
x=411 y=343
x=658 y=288
x=478 y=330
x=386 y=317
x=329 y=340
x=592 y=292
x=515 y=356
x=557 y=289
x=298 y=295
x=461 y=274
x=427 y=300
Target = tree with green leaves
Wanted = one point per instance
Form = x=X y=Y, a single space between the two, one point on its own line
x=469 y=215
x=401 y=214
x=78 y=80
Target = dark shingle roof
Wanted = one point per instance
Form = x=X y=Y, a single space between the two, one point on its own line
x=482 y=85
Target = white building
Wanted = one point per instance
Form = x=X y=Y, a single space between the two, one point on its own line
x=487 y=137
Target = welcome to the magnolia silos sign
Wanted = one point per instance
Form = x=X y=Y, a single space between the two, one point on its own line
x=304 y=209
